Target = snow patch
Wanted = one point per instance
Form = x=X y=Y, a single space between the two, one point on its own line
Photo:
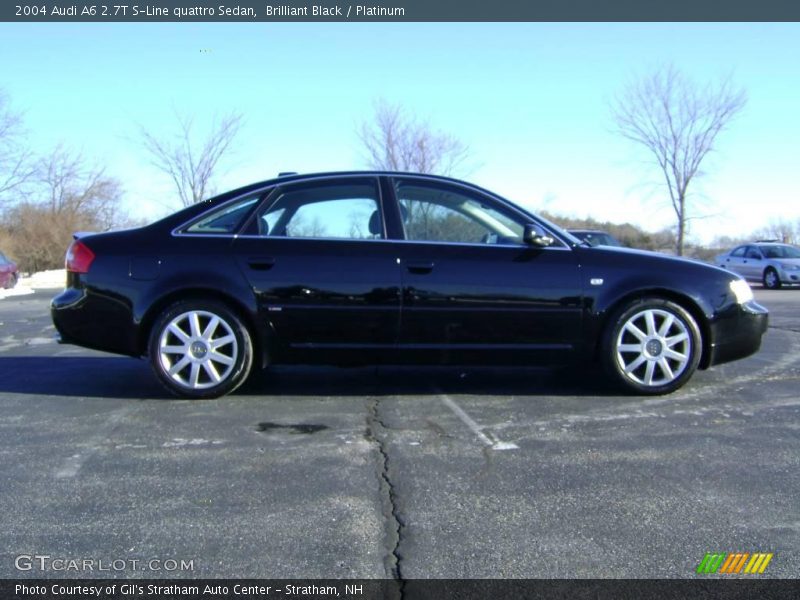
x=55 y=278
x=44 y=280
x=16 y=291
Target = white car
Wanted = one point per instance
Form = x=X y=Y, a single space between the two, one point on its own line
x=771 y=263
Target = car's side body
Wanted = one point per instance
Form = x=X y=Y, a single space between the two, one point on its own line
x=380 y=297
x=772 y=264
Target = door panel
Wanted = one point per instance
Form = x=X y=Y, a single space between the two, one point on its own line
x=752 y=265
x=325 y=280
x=735 y=262
x=493 y=304
x=472 y=289
x=319 y=294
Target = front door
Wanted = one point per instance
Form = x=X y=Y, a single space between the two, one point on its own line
x=473 y=290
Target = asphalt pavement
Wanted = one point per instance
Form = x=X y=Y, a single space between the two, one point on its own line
x=391 y=472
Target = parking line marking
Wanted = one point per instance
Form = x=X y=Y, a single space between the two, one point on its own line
x=486 y=437
x=73 y=464
x=71 y=467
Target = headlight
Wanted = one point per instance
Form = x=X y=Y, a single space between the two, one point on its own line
x=741 y=290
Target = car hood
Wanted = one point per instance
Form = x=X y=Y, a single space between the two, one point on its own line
x=654 y=260
x=643 y=253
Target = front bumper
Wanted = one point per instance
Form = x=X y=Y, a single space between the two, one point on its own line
x=737 y=333
x=789 y=277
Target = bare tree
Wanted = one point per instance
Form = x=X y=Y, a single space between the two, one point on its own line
x=779 y=229
x=15 y=164
x=66 y=196
x=397 y=141
x=190 y=164
x=77 y=192
x=678 y=123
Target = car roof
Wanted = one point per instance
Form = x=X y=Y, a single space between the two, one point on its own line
x=293 y=176
x=188 y=212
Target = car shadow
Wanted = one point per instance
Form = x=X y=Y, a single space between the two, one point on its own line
x=85 y=376
x=127 y=378
x=416 y=380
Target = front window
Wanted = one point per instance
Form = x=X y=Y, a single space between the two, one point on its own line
x=433 y=213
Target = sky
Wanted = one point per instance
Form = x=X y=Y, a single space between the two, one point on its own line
x=531 y=100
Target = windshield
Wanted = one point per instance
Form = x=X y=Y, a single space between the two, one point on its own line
x=780 y=251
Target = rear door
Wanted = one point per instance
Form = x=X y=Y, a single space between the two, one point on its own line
x=472 y=290
x=735 y=260
x=325 y=279
x=753 y=263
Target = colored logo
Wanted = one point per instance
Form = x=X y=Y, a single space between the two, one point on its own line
x=734 y=563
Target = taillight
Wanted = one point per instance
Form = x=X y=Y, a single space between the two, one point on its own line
x=79 y=257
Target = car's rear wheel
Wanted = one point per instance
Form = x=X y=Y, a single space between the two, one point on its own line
x=651 y=346
x=200 y=349
x=11 y=281
x=771 y=279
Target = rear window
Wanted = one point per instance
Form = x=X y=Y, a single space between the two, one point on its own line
x=226 y=219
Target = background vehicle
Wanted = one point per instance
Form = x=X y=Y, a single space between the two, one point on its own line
x=595 y=237
x=770 y=263
x=376 y=267
x=8 y=272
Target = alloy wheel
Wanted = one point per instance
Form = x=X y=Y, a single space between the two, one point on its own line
x=197 y=350
x=771 y=280
x=653 y=347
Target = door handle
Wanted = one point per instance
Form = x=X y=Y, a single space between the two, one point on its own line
x=420 y=267
x=261 y=263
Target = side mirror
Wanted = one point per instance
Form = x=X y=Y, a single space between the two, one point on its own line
x=535 y=236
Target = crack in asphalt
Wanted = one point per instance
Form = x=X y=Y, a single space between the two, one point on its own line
x=395 y=526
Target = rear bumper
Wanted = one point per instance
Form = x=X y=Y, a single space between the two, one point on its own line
x=93 y=320
x=737 y=333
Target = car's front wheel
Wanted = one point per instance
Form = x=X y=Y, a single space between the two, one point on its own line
x=652 y=346
x=772 y=280
x=200 y=349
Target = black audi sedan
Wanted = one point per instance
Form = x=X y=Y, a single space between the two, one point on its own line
x=391 y=268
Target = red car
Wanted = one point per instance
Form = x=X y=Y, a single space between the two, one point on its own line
x=8 y=272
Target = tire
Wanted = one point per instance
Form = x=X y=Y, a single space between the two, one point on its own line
x=771 y=279
x=200 y=349
x=651 y=346
x=11 y=282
